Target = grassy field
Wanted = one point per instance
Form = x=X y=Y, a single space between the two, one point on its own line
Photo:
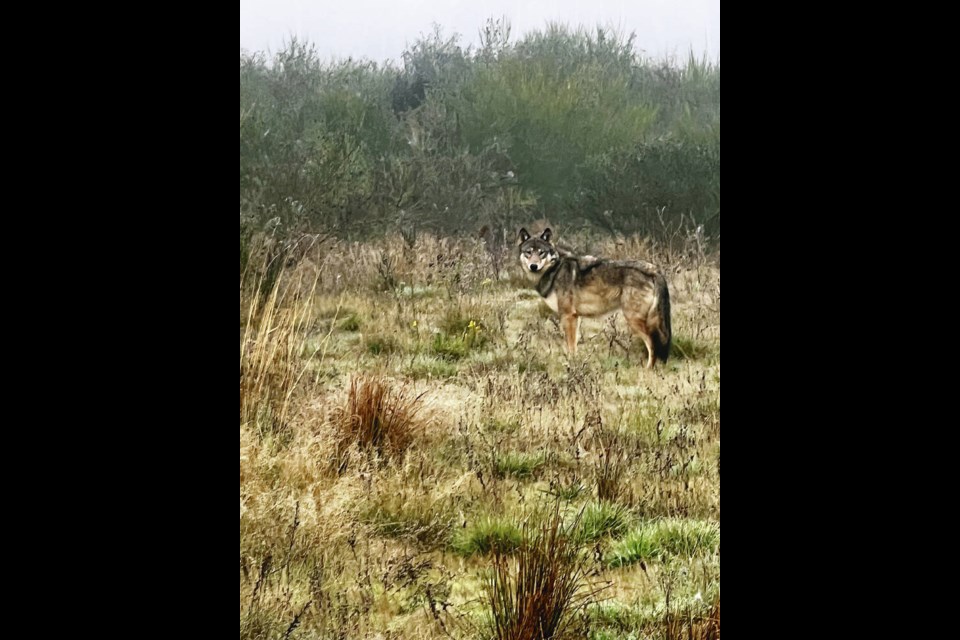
x=419 y=458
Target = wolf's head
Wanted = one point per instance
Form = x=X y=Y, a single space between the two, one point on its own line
x=536 y=253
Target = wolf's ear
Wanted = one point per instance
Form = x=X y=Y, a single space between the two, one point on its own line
x=545 y=236
x=524 y=235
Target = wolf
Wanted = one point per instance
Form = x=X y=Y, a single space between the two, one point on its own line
x=587 y=287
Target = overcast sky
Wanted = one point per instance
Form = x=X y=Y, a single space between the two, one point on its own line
x=380 y=29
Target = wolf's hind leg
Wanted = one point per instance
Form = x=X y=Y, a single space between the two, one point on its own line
x=571 y=322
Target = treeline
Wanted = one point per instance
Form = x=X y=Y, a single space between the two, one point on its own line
x=566 y=124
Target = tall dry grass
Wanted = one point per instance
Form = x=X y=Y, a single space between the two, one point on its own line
x=537 y=592
x=378 y=416
x=276 y=317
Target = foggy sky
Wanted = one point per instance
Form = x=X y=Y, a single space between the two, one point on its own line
x=380 y=30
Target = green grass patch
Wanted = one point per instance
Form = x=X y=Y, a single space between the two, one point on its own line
x=658 y=540
x=518 y=465
x=457 y=347
x=601 y=520
x=487 y=535
x=451 y=348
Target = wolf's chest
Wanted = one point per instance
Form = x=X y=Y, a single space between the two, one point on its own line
x=551 y=301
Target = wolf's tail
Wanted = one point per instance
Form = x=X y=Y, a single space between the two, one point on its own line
x=661 y=333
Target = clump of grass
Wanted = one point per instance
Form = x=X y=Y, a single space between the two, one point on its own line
x=538 y=592
x=603 y=519
x=682 y=348
x=378 y=417
x=457 y=345
x=451 y=348
x=381 y=345
x=488 y=535
x=661 y=539
x=518 y=465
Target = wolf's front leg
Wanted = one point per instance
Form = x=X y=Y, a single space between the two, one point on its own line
x=571 y=322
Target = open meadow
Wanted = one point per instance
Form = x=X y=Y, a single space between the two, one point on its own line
x=419 y=458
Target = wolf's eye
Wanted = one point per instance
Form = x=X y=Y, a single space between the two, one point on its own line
x=527 y=253
x=541 y=253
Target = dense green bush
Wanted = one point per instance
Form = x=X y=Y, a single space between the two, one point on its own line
x=563 y=123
